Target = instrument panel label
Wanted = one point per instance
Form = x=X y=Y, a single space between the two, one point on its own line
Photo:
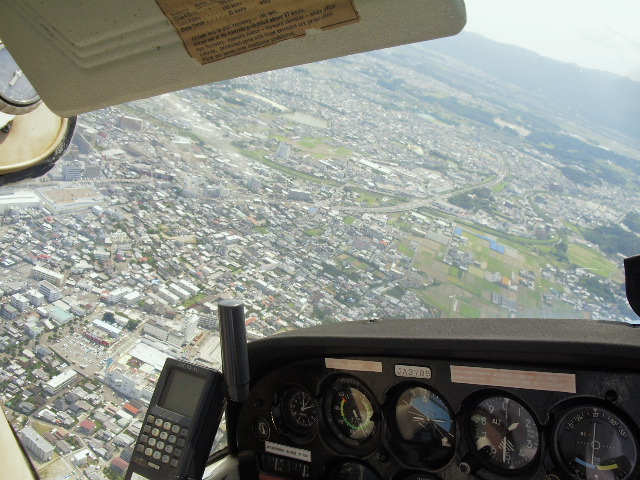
x=499 y=377
x=413 y=371
x=212 y=30
x=355 y=365
x=286 y=451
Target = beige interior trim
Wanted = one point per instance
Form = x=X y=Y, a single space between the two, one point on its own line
x=33 y=138
x=14 y=464
x=81 y=56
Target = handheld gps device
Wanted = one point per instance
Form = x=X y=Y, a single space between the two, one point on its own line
x=180 y=425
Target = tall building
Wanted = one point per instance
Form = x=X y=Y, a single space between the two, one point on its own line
x=36 y=298
x=58 y=382
x=284 y=151
x=19 y=301
x=208 y=321
x=128 y=383
x=176 y=332
x=84 y=147
x=72 y=170
x=117 y=295
x=41 y=273
x=131 y=123
x=254 y=184
x=92 y=169
x=36 y=443
x=179 y=291
x=190 y=287
x=300 y=195
x=50 y=291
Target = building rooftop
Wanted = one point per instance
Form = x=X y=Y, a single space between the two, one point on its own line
x=36 y=439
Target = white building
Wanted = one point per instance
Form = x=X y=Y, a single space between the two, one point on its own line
x=58 y=382
x=165 y=294
x=36 y=298
x=19 y=301
x=19 y=199
x=50 y=291
x=32 y=329
x=129 y=384
x=190 y=287
x=117 y=295
x=175 y=332
x=52 y=276
x=179 y=291
x=80 y=458
x=132 y=298
x=113 y=330
x=36 y=443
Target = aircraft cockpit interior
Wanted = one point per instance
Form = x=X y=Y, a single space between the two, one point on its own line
x=438 y=398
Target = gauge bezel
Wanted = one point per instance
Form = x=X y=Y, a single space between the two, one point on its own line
x=556 y=418
x=287 y=426
x=469 y=430
x=288 y=418
x=415 y=453
x=342 y=440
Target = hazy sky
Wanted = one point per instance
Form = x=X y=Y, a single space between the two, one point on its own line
x=599 y=34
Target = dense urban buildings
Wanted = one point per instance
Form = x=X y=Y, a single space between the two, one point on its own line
x=313 y=200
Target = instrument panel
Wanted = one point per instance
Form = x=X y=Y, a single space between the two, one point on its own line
x=407 y=418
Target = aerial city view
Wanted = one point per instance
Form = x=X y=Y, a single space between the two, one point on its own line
x=404 y=183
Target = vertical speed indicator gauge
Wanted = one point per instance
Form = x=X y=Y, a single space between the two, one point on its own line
x=503 y=434
x=351 y=412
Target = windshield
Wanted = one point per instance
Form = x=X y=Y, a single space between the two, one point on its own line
x=457 y=178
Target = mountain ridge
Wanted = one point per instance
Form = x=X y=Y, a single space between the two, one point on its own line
x=606 y=99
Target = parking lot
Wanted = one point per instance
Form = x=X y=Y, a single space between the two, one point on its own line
x=82 y=354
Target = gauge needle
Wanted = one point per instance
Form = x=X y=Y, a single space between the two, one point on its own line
x=482 y=442
x=593 y=444
x=504 y=449
x=15 y=78
x=513 y=426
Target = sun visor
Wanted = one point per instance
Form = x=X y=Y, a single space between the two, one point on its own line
x=82 y=56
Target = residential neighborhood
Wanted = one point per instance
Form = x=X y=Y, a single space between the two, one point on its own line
x=311 y=200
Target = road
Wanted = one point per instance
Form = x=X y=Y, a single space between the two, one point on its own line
x=414 y=204
x=429 y=201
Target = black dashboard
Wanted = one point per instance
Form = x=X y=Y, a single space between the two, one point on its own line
x=443 y=398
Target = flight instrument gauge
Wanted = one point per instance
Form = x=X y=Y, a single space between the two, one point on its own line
x=351 y=412
x=503 y=434
x=17 y=95
x=594 y=443
x=424 y=425
x=299 y=410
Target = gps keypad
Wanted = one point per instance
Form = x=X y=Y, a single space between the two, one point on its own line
x=162 y=441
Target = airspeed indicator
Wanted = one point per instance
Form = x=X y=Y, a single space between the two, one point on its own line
x=351 y=412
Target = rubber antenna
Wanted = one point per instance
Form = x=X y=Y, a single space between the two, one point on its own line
x=233 y=340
